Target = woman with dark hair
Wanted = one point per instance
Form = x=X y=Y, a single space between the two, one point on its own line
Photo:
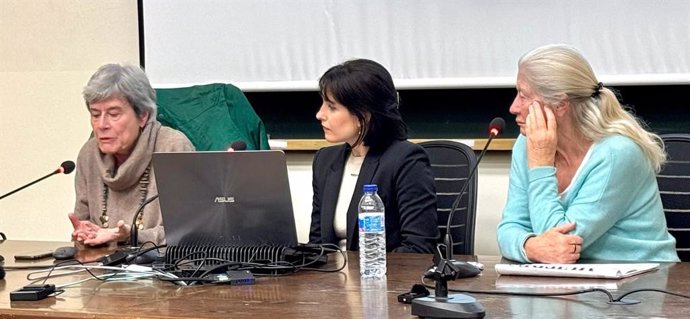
x=360 y=108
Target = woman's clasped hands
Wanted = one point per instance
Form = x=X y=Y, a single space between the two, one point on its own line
x=87 y=233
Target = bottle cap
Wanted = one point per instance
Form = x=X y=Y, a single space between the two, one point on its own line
x=370 y=188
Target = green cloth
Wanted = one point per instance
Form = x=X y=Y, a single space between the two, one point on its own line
x=212 y=116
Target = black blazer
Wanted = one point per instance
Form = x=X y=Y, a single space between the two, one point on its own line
x=405 y=184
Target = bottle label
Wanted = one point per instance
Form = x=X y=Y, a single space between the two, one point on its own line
x=371 y=222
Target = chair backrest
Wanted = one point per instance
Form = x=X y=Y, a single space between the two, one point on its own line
x=674 y=186
x=451 y=164
x=212 y=116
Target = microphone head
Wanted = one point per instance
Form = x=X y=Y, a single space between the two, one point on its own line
x=66 y=167
x=238 y=145
x=496 y=126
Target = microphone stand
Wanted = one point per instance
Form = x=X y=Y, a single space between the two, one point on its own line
x=2 y=235
x=2 y=258
x=441 y=305
x=66 y=167
x=131 y=253
x=27 y=185
x=134 y=230
x=448 y=239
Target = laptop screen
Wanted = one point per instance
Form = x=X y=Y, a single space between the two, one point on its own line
x=225 y=198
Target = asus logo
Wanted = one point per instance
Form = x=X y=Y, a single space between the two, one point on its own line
x=223 y=199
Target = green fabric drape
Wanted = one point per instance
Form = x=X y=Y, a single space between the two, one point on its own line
x=212 y=116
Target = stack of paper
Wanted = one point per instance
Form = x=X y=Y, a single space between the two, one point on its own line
x=615 y=271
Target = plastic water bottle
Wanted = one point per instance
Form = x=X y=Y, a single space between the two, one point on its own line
x=372 y=234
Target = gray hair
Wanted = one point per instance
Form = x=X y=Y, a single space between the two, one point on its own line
x=126 y=81
x=559 y=72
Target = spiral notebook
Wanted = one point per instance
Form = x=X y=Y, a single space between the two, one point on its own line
x=554 y=283
x=611 y=271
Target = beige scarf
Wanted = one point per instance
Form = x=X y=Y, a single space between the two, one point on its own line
x=130 y=172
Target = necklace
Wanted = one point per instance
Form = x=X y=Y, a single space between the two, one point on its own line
x=354 y=165
x=143 y=190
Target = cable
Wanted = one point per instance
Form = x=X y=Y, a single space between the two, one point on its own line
x=611 y=299
x=87 y=268
x=202 y=267
x=115 y=276
x=59 y=289
x=325 y=249
x=307 y=257
x=650 y=289
x=59 y=266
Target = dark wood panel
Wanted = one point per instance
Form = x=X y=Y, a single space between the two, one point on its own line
x=461 y=113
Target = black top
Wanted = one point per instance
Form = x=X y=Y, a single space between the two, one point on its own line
x=405 y=184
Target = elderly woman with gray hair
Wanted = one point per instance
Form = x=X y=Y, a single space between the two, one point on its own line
x=583 y=171
x=114 y=175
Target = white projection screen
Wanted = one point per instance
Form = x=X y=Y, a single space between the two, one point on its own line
x=278 y=45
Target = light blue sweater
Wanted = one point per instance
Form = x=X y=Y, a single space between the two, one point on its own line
x=613 y=199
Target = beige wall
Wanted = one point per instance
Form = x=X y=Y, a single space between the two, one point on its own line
x=48 y=50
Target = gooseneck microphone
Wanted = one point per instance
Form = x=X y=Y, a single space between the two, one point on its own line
x=65 y=168
x=441 y=304
x=495 y=128
x=131 y=253
x=238 y=145
x=134 y=230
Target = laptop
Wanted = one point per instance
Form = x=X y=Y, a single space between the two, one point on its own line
x=231 y=199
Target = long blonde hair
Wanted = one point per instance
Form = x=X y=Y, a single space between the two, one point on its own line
x=559 y=72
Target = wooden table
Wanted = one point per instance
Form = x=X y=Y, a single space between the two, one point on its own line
x=334 y=295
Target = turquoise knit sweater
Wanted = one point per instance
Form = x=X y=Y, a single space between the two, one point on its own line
x=613 y=198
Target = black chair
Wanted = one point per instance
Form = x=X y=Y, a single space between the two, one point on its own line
x=451 y=164
x=674 y=186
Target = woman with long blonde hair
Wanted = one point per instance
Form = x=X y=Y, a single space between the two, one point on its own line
x=583 y=172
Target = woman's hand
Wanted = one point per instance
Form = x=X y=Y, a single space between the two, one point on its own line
x=90 y=234
x=106 y=235
x=83 y=229
x=541 y=136
x=555 y=246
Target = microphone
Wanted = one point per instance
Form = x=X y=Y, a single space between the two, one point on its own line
x=443 y=305
x=238 y=145
x=496 y=126
x=134 y=230
x=129 y=254
x=65 y=168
